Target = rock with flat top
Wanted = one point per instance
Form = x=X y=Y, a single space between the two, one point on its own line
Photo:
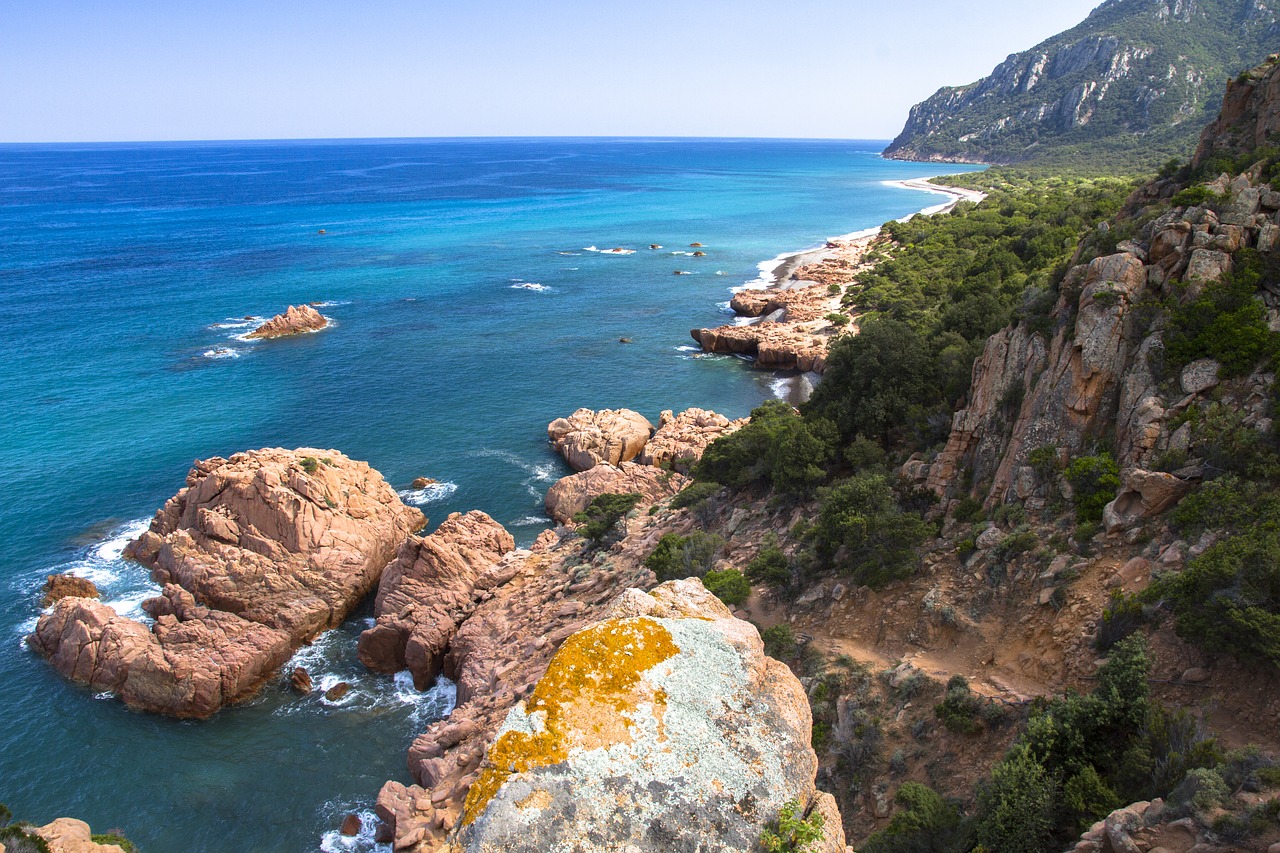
x=256 y=556
x=681 y=439
x=610 y=436
x=296 y=320
x=66 y=585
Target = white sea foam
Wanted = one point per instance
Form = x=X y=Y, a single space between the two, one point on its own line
x=745 y=321
x=726 y=307
x=222 y=352
x=794 y=389
x=530 y=285
x=428 y=494
x=688 y=348
x=334 y=841
x=613 y=251
x=330 y=303
x=531 y=521
x=237 y=324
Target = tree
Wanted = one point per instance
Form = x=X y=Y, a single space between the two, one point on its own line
x=863 y=533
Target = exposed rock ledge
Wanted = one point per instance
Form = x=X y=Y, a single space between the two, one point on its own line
x=257 y=555
x=610 y=436
x=662 y=727
x=793 y=331
x=296 y=320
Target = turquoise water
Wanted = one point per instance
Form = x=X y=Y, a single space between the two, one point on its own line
x=468 y=313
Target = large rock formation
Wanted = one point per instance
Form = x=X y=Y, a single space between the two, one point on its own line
x=430 y=588
x=610 y=436
x=68 y=835
x=257 y=555
x=662 y=727
x=296 y=320
x=1097 y=377
x=681 y=439
x=1134 y=81
x=571 y=495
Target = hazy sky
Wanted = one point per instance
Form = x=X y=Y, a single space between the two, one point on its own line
x=77 y=70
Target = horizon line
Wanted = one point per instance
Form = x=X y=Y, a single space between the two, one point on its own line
x=396 y=139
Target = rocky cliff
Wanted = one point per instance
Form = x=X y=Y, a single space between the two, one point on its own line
x=1128 y=87
x=257 y=555
x=1096 y=371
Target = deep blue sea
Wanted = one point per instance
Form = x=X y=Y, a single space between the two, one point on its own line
x=470 y=309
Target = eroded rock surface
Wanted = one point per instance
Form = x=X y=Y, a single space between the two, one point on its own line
x=296 y=320
x=570 y=495
x=429 y=589
x=681 y=439
x=662 y=727
x=258 y=554
x=610 y=436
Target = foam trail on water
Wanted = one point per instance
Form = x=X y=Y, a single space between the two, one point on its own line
x=428 y=494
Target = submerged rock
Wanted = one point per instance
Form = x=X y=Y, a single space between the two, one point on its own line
x=658 y=728
x=257 y=555
x=296 y=320
x=300 y=681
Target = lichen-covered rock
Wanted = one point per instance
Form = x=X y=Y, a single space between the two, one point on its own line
x=296 y=320
x=663 y=727
x=611 y=436
x=429 y=589
x=571 y=495
x=681 y=439
x=256 y=556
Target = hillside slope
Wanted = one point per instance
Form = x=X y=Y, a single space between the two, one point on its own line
x=1129 y=87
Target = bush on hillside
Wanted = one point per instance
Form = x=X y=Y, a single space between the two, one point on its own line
x=1094 y=481
x=677 y=556
x=602 y=515
x=863 y=533
x=777 y=448
x=728 y=585
x=1226 y=323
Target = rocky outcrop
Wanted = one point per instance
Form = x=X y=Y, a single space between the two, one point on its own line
x=429 y=589
x=68 y=835
x=572 y=494
x=1146 y=90
x=793 y=326
x=668 y=705
x=611 y=436
x=296 y=320
x=258 y=554
x=58 y=587
x=1250 y=116
x=1098 y=377
x=681 y=439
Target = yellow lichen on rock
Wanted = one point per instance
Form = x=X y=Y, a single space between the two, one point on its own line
x=583 y=701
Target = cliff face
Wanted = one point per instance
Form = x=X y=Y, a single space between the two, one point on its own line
x=1134 y=82
x=1095 y=372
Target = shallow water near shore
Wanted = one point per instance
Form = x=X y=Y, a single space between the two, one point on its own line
x=468 y=312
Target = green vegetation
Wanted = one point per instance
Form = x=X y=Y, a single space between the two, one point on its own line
x=310 y=464
x=677 y=556
x=959 y=708
x=778 y=448
x=924 y=823
x=779 y=641
x=729 y=585
x=792 y=832
x=1094 y=480
x=602 y=515
x=1126 y=130
x=863 y=533
x=695 y=495
x=770 y=565
x=1226 y=322
x=18 y=837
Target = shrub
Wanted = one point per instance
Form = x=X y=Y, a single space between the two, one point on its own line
x=1015 y=808
x=1225 y=323
x=1193 y=196
x=777 y=448
x=793 y=832
x=1020 y=542
x=770 y=566
x=1201 y=790
x=602 y=515
x=863 y=533
x=1120 y=618
x=837 y=320
x=968 y=509
x=1044 y=461
x=924 y=823
x=1086 y=798
x=310 y=464
x=959 y=708
x=677 y=556
x=17 y=840
x=1095 y=481
x=1228 y=598
x=729 y=585
x=694 y=495
x=779 y=642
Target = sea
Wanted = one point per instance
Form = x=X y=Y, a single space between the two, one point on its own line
x=473 y=299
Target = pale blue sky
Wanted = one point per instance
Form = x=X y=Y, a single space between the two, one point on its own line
x=85 y=70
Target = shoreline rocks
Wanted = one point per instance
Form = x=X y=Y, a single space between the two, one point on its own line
x=610 y=436
x=67 y=585
x=570 y=495
x=668 y=704
x=295 y=320
x=256 y=555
